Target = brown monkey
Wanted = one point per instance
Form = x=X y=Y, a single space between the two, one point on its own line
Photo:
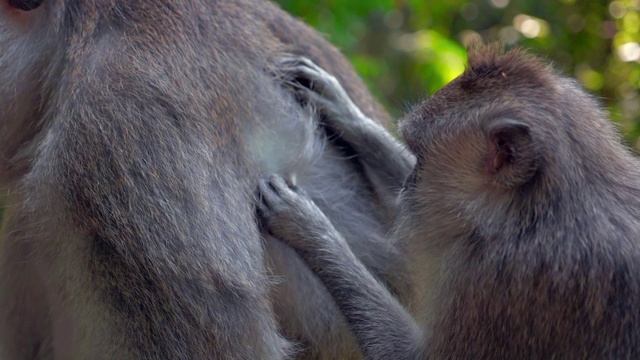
x=519 y=220
x=132 y=137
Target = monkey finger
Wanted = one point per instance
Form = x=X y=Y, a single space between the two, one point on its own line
x=268 y=196
x=266 y=219
x=328 y=105
x=279 y=184
x=327 y=91
x=288 y=60
x=317 y=74
x=318 y=81
x=297 y=65
x=285 y=192
x=304 y=74
x=297 y=61
x=304 y=62
x=312 y=98
x=264 y=214
x=290 y=180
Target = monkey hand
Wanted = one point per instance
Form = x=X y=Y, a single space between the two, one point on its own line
x=321 y=90
x=287 y=213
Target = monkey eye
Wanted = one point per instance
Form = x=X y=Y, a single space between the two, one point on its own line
x=25 y=5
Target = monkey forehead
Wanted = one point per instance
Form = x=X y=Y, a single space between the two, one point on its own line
x=494 y=72
x=492 y=75
x=491 y=65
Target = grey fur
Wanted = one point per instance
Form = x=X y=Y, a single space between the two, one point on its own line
x=385 y=159
x=132 y=137
x=519 y=223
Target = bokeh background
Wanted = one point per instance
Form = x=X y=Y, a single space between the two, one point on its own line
x=407 y=49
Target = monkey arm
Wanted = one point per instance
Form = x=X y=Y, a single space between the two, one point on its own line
x=383 y=155
x=383 y=328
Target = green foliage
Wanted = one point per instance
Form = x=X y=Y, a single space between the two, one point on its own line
x=407 y=49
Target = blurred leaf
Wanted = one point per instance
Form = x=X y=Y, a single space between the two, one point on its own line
x=407 y=49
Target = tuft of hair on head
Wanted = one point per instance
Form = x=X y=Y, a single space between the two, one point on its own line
x=512 y=158
x=490 y=63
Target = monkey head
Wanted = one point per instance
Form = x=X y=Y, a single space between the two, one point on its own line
x=508 y=131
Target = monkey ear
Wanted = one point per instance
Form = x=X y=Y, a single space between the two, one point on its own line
x=512 y=157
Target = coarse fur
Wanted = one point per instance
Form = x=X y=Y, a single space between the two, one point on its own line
x=519 y=222
x=132 y=135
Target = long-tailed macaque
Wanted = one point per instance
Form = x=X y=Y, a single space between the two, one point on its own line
x=520 y=220
x=132 y=137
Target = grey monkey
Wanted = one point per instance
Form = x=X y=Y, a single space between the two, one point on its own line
x=519 y=220
x=132 y=137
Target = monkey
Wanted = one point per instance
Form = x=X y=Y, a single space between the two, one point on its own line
x=519 y=220
x=132 y=138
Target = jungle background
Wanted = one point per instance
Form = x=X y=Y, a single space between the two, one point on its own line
x=407 y=49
